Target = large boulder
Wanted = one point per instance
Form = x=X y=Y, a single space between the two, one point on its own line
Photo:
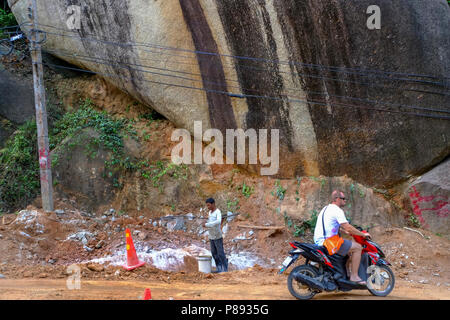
x=16 y=103
x=429 y=199
x=180 y=57
x=80 y=172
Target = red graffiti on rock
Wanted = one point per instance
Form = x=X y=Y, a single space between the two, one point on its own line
x=438 y=207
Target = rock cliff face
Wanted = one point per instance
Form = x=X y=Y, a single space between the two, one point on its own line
x=429 y=197
x=181 y=58
x=16 y=103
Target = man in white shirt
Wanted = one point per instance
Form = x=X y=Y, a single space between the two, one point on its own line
x=334 y=219
x=215 y=235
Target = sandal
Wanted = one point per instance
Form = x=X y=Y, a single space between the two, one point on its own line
x=360 y=282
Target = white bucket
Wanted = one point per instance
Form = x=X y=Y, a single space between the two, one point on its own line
x=204 y=264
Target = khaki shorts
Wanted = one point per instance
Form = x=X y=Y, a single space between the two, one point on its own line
x=345 y=248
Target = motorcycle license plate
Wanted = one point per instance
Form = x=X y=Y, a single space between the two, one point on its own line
x=287 y=261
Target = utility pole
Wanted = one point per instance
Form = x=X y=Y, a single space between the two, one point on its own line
x=41 y=115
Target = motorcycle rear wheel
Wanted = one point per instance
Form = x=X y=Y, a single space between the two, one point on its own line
x=299 y=290
x=381 y=283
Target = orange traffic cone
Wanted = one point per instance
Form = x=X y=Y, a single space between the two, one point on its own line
x=132 y=259
x=147 y=294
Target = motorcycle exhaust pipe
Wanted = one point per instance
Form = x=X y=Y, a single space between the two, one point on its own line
x=308 y=281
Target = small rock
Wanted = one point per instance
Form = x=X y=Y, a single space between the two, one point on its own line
x=59 y=212
x=142 y=236
x=99 y=244
x=51 y=261
x=2 y=276
x=117 y=273
x=225 y=229
x=230 y=216
x=95 y=267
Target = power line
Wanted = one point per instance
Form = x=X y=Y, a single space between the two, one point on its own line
x=97 y=59
x=262 y=69
x=252 y=96
x=334 y=68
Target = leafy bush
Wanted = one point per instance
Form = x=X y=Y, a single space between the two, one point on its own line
x=19 y=165
x=7 y=19
x=300 y=230
x=19 y=168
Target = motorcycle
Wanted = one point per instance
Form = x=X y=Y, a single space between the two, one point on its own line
x=324 y=272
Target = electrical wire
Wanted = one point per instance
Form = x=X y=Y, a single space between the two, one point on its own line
x=334 y=68
x=113 y=63
x=250 y=96
x=298 y=73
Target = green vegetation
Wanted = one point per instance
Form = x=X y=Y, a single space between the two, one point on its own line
x=155 y=172
x=322 y=181
x=279 y=191
x=19 y=168
x=354 y=187
x=300 y=230
x=233 y=206
x=111 y=133
x=7 y=19
x=413 y=221
x=297 y=193
x=247 y=190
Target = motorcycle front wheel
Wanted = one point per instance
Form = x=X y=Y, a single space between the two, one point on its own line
x=298 y=289
x=381 y=280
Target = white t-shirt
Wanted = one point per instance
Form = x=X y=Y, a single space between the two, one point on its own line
x=334 y=217
x=213 y=224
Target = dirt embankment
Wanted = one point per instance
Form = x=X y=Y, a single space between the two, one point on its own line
x=38 y=248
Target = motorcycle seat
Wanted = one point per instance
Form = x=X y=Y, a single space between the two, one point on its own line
x=312 y=246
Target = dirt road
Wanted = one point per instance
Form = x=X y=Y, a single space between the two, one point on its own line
x=56 y=289
x=36 y=253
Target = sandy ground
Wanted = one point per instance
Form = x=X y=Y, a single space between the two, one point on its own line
x=36 y=250
x=56 y=289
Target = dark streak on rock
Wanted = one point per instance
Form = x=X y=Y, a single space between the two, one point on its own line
x=110 y=20
x=242 y=22
x=334 y=33
x=220 y=108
